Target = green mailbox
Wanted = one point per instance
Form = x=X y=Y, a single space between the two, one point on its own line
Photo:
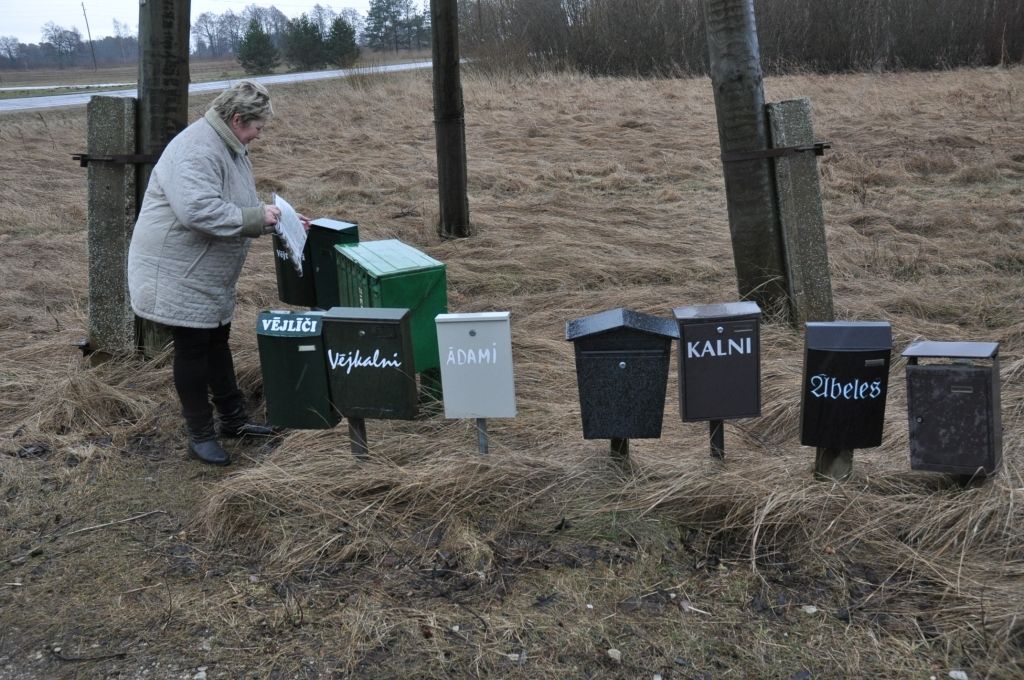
x=392 y=274
x=324 y=234
x=370 y=364
x=294 y=370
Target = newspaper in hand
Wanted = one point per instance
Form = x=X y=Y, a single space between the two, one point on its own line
x=291 y=231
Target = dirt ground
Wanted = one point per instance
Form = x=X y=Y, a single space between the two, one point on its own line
x=119 y=558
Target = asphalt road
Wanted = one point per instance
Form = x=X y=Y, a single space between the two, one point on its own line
x=78 y=99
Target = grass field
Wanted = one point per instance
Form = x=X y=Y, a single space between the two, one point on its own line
x=544 y=559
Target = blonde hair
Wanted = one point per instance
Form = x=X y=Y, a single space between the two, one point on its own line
x=248 y=99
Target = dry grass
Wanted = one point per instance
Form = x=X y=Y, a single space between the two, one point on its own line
x=428 y=560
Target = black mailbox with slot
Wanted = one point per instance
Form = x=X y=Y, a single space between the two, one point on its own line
x=622 y=360
x=370 y=362
x=953 y=407
x=294 y=373
x=846 y=377
x=719 y=361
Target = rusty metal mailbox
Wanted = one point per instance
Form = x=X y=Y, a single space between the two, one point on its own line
x=846 y=377
x=294 y=373
x=622 y=360
x=370 y=362
x=719 y=361
x=953 y=407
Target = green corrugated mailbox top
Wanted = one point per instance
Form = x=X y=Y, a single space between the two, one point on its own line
x=385 y=258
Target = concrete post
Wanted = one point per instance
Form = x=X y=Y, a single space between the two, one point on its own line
x=798 y=194
x=736 y=77
x=111 y=208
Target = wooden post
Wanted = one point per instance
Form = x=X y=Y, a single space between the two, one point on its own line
x=798 y=192
x=449 y=120
x=111 y=213
x=357 y=435
x=717 y=432
x=735 y=62
x=163 y=104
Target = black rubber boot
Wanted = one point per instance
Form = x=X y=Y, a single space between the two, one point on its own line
x=203 y=446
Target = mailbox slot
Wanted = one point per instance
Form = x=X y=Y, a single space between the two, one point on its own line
x=622 y=361
x=953 y=407
x=294 y=373
x=370 y=364
x=845 y=383
x=719 y=361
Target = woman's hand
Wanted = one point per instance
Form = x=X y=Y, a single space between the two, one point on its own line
x=271 y=214
x=304 y=220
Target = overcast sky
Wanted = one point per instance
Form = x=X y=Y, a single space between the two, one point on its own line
x=24 y=19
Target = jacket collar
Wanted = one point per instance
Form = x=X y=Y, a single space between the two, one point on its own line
x=225 y=133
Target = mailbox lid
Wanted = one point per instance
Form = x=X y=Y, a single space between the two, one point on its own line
x=721 y=311
x=336 y=226
x=617 y=319
x=848 y=336
x=389 y=257
x=951 y=350
x=475 y=351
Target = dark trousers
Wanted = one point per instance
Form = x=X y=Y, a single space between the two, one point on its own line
x=203 y=367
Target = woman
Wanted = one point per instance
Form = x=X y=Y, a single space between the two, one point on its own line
x=199 y=214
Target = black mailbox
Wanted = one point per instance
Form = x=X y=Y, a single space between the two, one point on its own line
x=293 y=287
x=953 y=407
x=846 y=377
x=719 y=361
x=622 y=360
x=370 y=362
x=294 y=373
x=323 y=235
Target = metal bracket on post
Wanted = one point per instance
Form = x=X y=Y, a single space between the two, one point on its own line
x=818 y=149
x=121 y=159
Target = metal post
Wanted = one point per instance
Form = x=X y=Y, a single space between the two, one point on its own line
x=357 y=434
x=481 y=434
x=717 y=438
x=834 y=465
x=620 y=448
x=163 y=104
x=737 y=80
x=449 y=120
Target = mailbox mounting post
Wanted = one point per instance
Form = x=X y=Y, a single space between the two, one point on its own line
x=357 y=435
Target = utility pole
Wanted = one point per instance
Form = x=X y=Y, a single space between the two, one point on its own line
x=92 y=48
x=163 y=103
x=449 y=120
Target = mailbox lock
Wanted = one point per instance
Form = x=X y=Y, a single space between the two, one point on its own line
x=720 y=330
x=472 y=334
x=919 y=419
x=362 y=333
x=622 y=364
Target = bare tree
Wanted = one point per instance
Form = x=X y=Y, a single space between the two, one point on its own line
x=204 y=31
x=65 y=41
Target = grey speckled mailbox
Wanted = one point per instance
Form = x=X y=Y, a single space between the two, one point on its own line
x=953 y=407
x=622 y=360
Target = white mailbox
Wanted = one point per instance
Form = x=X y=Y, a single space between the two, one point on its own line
x=476 y=365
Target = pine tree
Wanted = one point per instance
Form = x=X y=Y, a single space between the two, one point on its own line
x=341 y=43
x=256 y=51
x=303 y=44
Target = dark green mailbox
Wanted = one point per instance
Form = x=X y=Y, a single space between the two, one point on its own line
x=293 y=287
x=370 y=364
x=324 y=234
x=294 y=370
x=393 y=274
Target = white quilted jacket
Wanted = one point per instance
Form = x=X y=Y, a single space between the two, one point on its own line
x=192 y=235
